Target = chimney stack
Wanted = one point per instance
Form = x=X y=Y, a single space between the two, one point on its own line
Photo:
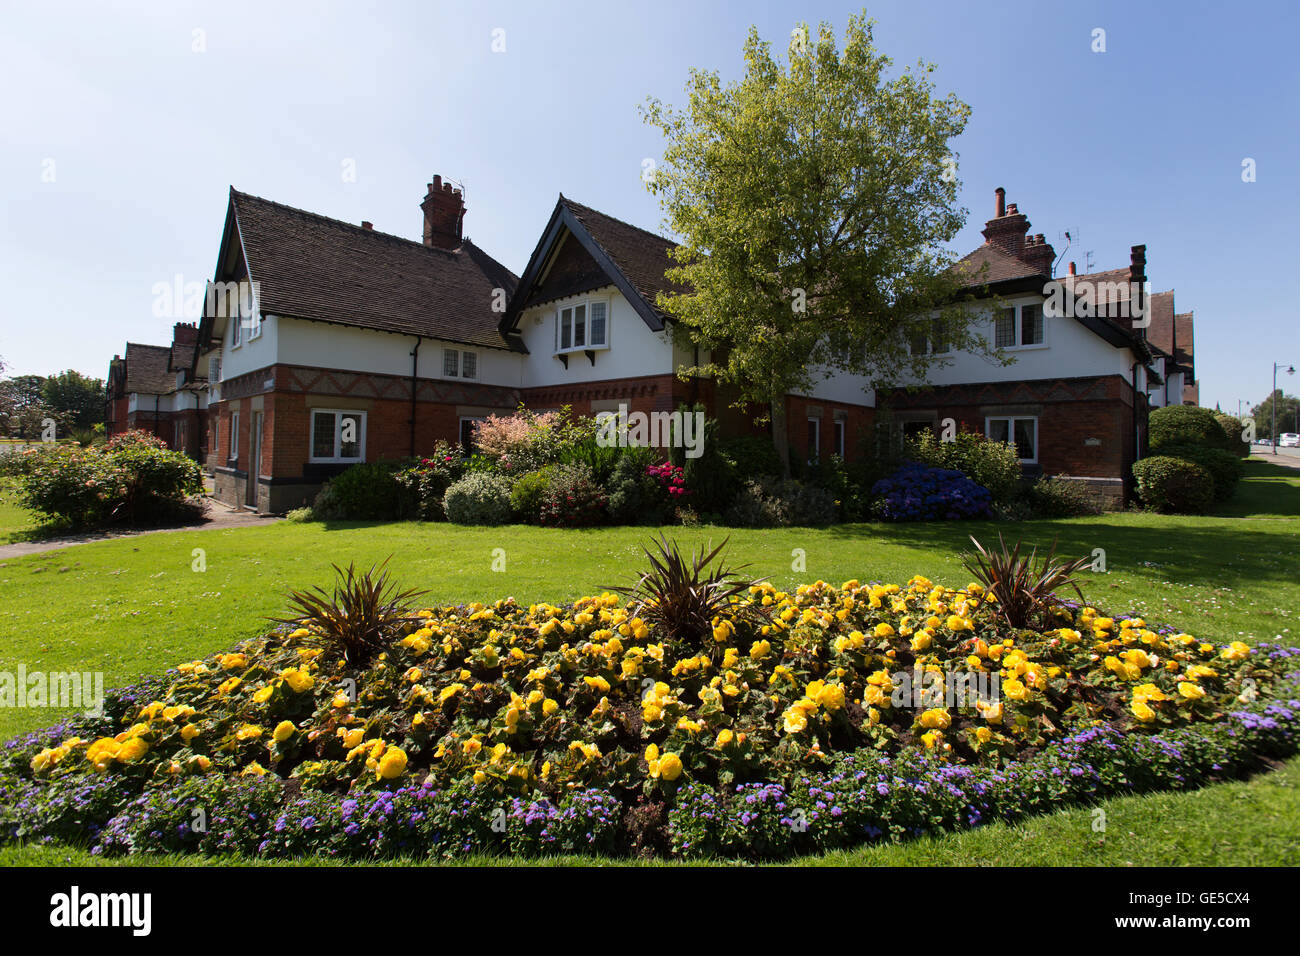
x=367 y=225
x=1007 y=229
x=444 y=215
x=185 y=333
x=1071 y=268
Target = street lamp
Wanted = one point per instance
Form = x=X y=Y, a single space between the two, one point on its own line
x=1273 y=400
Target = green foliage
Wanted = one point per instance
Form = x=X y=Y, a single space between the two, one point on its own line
x=1287 y=414
x=1061 y=498
x=684 y=596
x=1224 y=467
x=369 y=491
x=426 y=482
x=1173 y=485
x=712 y=477
x=1023 y=591
x=635 y=497
x=360 y=618
x=752 y=455
x=478 y=498
x=573 y=499
x=527 y=493
x=78 y=397
x=598 y=460
x=832 y=474
x=133 y=479
x=777 y=503
x=1185 y=425
x=813 y=197
x=1233 y=428
x=995 y=465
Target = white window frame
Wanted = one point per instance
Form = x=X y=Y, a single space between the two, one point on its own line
x=336 y=458
x=1011 y=431
x=815 y=452
x=839 y=436
x=234 y=437
x=236 y=326
x=460 y=354
x=1017 y=332
x=586 y=304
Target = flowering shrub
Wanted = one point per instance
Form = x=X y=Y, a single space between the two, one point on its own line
x=918 y=492
x=572 y=499
x=671 y=478
x=426 y=482
x=525 y=441
x=133 y=478
x=992 y=464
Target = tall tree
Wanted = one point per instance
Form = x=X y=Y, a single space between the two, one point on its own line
x=79 y=397
x=1288 y=414
x=812 y=199
x=21 y=405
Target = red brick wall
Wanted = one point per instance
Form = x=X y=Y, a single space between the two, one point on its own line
x=1069 y=411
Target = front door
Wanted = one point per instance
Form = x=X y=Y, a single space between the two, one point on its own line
x=254 y=459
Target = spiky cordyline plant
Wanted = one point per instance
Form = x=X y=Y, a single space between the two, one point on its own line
x=683 y=595
x=363 y=615
x=1025 y=589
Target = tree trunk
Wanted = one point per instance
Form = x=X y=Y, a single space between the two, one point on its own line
x=781 y=434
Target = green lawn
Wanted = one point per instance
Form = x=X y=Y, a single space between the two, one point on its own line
x=131 y=607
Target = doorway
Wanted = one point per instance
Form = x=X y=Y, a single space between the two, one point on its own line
x=254 y=460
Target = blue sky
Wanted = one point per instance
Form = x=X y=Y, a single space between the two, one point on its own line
x=1141 y=143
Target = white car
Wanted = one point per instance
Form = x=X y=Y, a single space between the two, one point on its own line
x=1289 y=440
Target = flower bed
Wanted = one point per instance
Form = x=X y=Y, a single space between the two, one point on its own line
x=540 y=729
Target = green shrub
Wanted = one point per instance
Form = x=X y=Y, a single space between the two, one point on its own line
x=635 y=497
x=1232 y=428
x=573 y=499
x=1062 y=498
x=478 y=498
x=712 y=478
x=769 y=502
x=134 y=480
x=1224 y=467
x=1174 y=485
x=992 y=464
x=527 y=492
x=366 y=492
x=1184 y=425
x=599 y=460
x=832 y=474
x=753 y=455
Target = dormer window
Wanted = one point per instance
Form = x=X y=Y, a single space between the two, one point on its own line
x=582 y=326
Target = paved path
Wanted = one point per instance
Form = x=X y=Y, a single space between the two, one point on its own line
x=216 y=515
x=1287 y=457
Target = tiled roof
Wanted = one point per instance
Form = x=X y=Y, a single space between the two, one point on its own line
x=1160 y=332
x=311 y=267
x=1185 y=335
x=147 y=369
x=638 y=253
x=1002 y=266
x=181 y=355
